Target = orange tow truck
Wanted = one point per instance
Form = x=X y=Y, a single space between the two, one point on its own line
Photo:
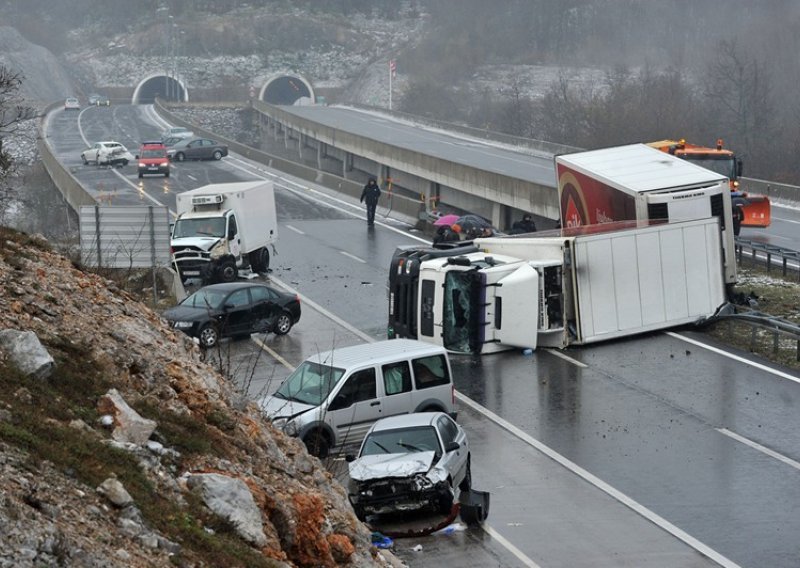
x=755 y=209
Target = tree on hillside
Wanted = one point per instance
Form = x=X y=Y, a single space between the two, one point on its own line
x=13 y=111
x=740 y=93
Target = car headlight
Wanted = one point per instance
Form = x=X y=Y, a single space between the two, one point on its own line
x=287 y=425
x=182 y=324
x=219 y=249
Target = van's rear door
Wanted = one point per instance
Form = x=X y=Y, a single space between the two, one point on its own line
x=517 y=308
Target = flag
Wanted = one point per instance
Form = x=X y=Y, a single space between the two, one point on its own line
x=393 y=68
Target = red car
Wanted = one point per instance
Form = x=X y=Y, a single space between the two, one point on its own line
x=153 y=159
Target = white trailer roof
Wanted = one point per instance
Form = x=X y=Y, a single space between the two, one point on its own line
x=638 y=168
x=231 y=187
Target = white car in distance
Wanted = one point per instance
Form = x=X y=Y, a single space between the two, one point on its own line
x=107 y=152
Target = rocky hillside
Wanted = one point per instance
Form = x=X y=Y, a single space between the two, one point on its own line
x=45 y=79
x=119 y=446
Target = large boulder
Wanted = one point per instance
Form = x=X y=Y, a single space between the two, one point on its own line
x=27 y=353
x=231 y=499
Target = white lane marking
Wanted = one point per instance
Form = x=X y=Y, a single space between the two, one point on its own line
x=272 y=352
x=599 y=483
x=513 y=549
x=759 y=447
x=191 y=177
x=734 y=357
x=558 y=353
x=295 y=229
x=354 y=257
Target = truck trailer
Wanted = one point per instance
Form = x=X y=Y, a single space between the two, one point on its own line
x=557 y=289
x=640 y=183
x=223 y=228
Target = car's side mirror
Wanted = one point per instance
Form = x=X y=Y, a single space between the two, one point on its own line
x=452 y=447
x=349 y=458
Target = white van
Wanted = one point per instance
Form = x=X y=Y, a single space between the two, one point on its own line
x=334 y=397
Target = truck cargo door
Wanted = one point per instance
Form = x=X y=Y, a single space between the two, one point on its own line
x=517 y=308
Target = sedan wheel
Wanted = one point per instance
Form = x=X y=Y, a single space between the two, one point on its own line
x=283 y=324
x=209 y=336
x=217 y=155
x=466 y=483
x=180 y=156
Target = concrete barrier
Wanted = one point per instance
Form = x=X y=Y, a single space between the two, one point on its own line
x=397 y=203
x=775 y=191
x=67 y=184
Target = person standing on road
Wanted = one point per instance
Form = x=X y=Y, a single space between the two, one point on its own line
x=371 y=194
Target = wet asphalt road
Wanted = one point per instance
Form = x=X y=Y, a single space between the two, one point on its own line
x=622 y=454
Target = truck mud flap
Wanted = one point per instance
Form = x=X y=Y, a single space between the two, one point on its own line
x=474 y=506
x=756 y=212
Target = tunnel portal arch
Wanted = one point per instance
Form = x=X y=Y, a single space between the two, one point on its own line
x=161 y=85
x=286 y=89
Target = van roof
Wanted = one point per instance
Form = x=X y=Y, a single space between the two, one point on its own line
x=378 y=351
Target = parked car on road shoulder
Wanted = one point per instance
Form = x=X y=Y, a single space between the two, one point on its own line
x=72 y=104
x=197 y=149
x=410 y=462
x=234 y=309
x=179 y=131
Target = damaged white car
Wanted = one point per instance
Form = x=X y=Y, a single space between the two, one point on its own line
x=410 y=462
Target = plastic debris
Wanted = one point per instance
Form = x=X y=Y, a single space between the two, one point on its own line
x=449 y=529
x=380 y=540
x=527 y=351
x=417 y=548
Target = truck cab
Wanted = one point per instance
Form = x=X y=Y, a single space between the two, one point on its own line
x=207 y=246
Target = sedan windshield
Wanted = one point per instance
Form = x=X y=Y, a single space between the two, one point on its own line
x=310 y=383
x=402 y=441
x=204 y=298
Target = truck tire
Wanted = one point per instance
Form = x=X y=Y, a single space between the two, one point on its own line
x=227 y=271
x=259 y=260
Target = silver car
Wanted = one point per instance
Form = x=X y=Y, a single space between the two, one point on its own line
x=410 y=462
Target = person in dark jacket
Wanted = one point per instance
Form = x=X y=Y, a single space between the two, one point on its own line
x=445 y=234
x=526 y=225
x=371 y=194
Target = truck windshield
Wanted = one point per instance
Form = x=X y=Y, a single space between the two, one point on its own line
x=310 y=383
x=203 y=227
x=725 y=165
x=461 y=317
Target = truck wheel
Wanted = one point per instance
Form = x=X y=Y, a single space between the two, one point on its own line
x=283 y=324
x=259 y=260
x=217 y=155
x=208 y=336
x=227 y=271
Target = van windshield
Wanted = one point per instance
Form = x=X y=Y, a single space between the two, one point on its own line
x=310 y=383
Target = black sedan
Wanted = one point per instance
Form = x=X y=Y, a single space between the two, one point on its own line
x=197 y=149
x=234 y=309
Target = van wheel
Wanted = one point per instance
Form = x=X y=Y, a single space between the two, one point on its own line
x=317 y=444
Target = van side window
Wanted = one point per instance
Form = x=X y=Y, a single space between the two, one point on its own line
x=360 y=386
x=430 y=371
x=396 y=378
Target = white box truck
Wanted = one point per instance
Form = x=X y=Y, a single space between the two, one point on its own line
x=559 y=289
x=639 y=183
x=222 y=228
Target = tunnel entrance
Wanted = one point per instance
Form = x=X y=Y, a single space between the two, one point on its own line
x=287 y=90
x=162 y=86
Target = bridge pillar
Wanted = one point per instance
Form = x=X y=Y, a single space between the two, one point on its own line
x=434 y=194
x=300 y=145
x=347 y=164
x=320 y=154
x=497 y=215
